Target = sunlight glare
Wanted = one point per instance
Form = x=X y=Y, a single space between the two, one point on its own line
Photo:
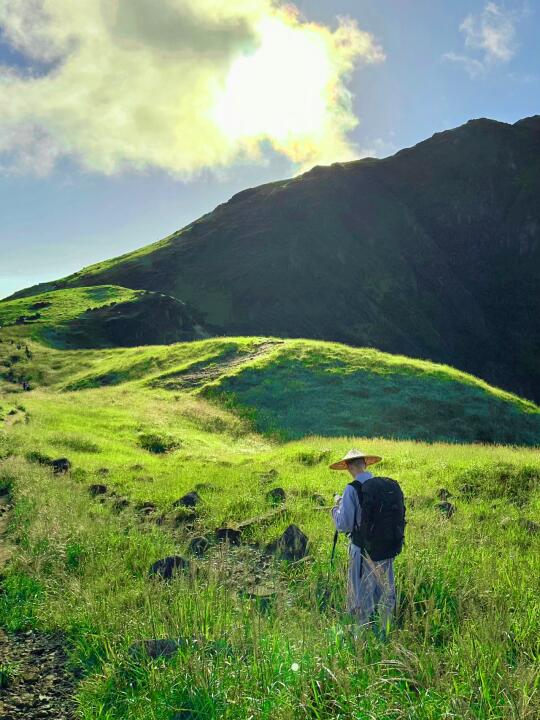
x=280 y=92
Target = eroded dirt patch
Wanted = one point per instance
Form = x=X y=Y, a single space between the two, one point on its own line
x=38 y=684
x=35 y=682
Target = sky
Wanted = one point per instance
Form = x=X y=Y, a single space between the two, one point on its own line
x=124 y=120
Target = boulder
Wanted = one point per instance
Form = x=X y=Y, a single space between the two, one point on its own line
x=97 y=489
x=167 y=567
x=230 y=535
x=292 y=545
x=446 y=508
x=189 y=500
x=276 y=496
x=60 y=466
x=198 y=546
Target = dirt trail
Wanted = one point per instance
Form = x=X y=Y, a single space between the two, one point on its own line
x=5 y=549
x=34 y=681
x=199 y=375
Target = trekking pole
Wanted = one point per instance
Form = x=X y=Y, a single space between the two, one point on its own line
x=336 y=535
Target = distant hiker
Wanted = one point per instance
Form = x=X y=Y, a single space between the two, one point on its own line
x=372 y=513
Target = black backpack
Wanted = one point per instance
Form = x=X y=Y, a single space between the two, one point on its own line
x=381 y=532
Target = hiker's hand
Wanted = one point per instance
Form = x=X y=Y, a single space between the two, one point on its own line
x=337 y=499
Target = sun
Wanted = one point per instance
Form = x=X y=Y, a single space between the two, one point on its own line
x=281 y=91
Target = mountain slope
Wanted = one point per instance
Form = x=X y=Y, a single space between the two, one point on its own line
x=433 y=253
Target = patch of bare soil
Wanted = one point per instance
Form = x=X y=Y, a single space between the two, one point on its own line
x=35 y=682
x=201 y=373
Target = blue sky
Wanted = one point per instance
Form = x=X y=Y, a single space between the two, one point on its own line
x=445 y=63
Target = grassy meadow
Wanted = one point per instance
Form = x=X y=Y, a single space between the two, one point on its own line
x=267 y=640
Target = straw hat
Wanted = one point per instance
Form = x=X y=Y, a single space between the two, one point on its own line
x=355 y=455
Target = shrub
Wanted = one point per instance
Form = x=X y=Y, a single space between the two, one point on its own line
x=35 y=456
x=157 y=444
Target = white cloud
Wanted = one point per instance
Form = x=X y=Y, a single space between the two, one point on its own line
x=177 y=84
x=490 y=38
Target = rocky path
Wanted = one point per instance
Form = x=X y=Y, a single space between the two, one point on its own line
x=35 y=682
x=202 y=373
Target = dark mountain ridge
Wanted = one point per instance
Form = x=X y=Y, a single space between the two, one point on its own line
x=433 y=253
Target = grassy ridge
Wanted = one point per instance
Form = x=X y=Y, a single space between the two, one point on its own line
x=99 y=317
x=295 y=388
x=56 y=309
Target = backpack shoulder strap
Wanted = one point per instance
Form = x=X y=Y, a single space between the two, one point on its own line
x=357 y=485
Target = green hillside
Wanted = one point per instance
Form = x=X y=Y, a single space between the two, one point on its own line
x=256 y=637
x=103 y=316
x=290 y=388
x=432 y=253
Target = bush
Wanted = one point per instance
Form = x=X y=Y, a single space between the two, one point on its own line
x=157 y=444
x=35 y=456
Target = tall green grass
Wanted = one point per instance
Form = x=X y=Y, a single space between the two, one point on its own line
x=465 y=643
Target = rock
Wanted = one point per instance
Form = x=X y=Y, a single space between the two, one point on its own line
x=444 y=494
x=166 y=648
x=97 y=489
x=276 y=496
x=190 y=500
x=530 y=526
x=60 y=466
x=292 y=545
x=198 y=546
x=446 y=508
x=230 y=535
x=167 y=567
x=318 y=499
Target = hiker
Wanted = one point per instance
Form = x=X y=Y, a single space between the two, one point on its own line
x=372 y=512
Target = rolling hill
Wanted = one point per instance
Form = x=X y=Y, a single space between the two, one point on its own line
x=432 y=253
x=285 y=388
